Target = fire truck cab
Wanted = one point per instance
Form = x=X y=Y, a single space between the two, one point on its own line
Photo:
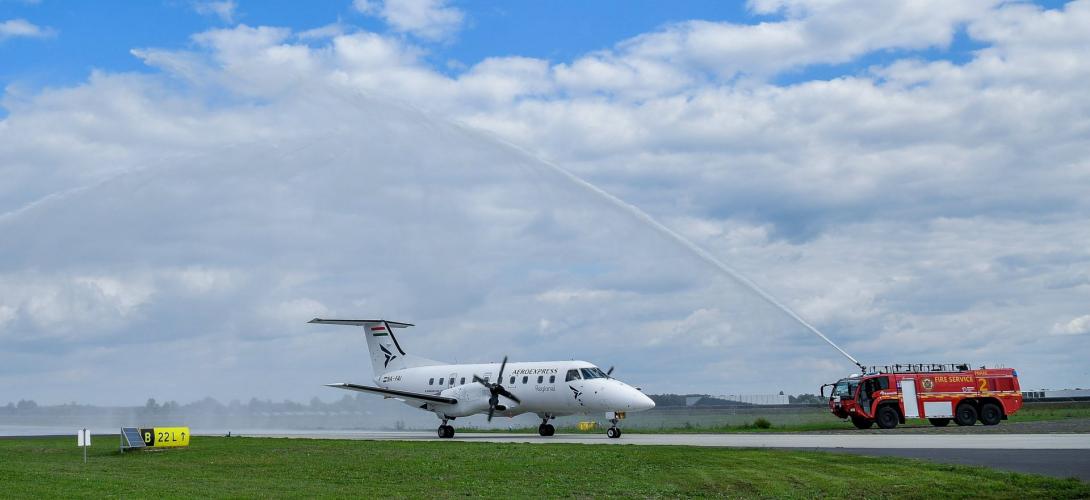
x=888 y=395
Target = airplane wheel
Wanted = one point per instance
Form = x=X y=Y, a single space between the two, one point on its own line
x=446 y=431
x=546 y=430
x=613 y=432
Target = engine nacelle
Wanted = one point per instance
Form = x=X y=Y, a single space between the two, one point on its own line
x=473 y=399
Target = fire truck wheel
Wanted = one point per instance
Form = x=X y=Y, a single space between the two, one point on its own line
x=939 y=422
x=965 y=415
x=990 y=414
x=887 y=417
x=862 y=423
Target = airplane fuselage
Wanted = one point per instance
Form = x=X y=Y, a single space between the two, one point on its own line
x=543 y=387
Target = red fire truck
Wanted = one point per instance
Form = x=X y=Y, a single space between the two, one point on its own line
x=887 y=395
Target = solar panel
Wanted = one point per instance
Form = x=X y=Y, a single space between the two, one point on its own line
x=132 y=437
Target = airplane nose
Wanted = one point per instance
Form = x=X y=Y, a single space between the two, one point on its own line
x=636 y=400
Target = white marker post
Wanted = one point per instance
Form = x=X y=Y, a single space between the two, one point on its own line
x=83 y=439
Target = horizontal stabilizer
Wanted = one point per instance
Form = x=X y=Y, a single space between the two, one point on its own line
x=395 y=393
x=359 y=322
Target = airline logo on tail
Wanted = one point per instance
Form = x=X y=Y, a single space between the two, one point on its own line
x=389 y=355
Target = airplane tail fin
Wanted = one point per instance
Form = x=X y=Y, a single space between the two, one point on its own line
x=386 y=353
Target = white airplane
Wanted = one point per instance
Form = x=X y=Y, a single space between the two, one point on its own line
x=548 y=388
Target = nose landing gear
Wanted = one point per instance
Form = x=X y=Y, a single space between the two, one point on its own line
x=613 y=431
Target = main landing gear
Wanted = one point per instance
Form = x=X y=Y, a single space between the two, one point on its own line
x=546 y=429
x=446 y=431
x=613 y=431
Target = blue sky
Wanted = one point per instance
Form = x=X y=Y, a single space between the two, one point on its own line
x=89 y=35
x=100 y=34
x=203 y=177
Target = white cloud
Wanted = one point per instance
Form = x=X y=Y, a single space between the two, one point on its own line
x=16 y=28
x=1077 y=326
x=7 y=313
x=225 y=9
x=200 y=280
x=813 y=32
x=562 y=296
x=66 y=306
x=323 y=32
x=432 y=20
x=935 y=207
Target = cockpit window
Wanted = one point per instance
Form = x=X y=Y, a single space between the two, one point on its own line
x=573 y=374
x=589 y=373
x=845 y=388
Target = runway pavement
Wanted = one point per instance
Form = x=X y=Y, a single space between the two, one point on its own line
x=1056 y=463
x=1058 y=455
x=769 y=440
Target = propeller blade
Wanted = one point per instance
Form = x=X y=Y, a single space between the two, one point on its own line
x=479 y=379
x=499 y=378
x=507 y=394
x=490 y=410
x=609 y=371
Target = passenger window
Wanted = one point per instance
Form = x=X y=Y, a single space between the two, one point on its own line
x=572 y=375
x=512 y=380
x=552 y=379
x=463 y=382
x=525 y=378
x=431 y=381
x=540 y=378
x=440 y=381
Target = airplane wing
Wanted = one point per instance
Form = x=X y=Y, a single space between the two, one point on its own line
x=392 y=393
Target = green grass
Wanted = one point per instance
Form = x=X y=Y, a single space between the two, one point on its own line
x=1055 y=411
x=256 y=467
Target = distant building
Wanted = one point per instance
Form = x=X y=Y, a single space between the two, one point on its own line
x=1057 y=394
x=757 y=399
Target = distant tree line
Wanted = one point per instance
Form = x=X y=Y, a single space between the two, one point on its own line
x=706 y=400
x=208 y=405
x=806 y=399
x=347 y=403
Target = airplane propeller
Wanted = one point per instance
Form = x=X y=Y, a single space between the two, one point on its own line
x=609 y=371
x=495 y=389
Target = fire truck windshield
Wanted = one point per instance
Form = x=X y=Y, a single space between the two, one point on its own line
x=845 y=388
